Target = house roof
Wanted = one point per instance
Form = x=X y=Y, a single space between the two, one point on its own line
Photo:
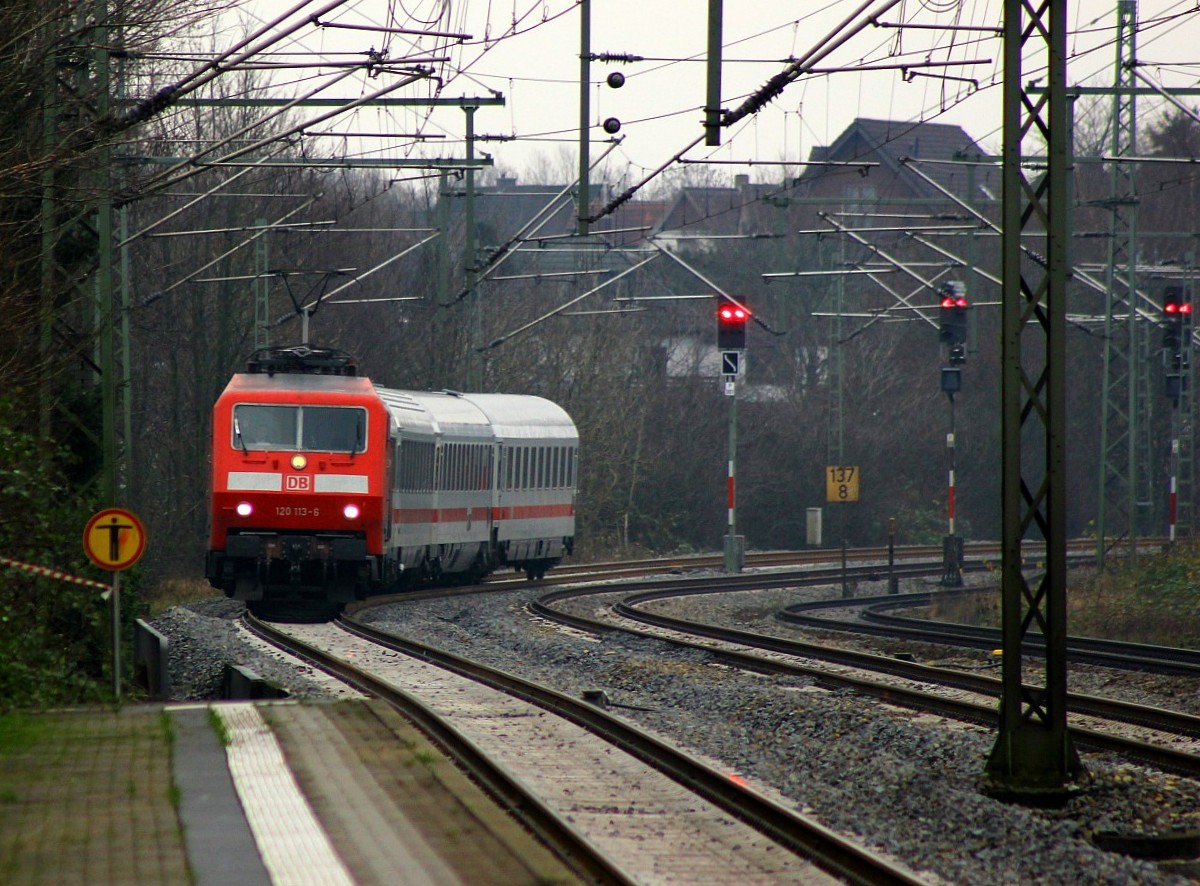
x=899 y=147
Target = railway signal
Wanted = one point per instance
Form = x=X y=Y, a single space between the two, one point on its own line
x=1177 y=339
x=1177 y=325
x=731 y=326
x=952 y=321
x=952 y=331
x=731 y=342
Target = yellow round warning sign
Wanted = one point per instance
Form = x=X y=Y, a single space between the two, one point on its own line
x=114 y=539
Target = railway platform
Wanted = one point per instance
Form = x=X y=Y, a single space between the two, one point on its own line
x=248 y=793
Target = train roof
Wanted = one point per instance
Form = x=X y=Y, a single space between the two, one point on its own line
x=514 y=416
x=281 y=382
x=499 y=416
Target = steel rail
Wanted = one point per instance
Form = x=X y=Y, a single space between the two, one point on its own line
x=976 y=551
x=877 y=621
x=1169 y=721
x=806 y=838
x=538 y=818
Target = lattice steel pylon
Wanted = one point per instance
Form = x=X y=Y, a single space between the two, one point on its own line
x=1033 y=754
x=1126 y=481
x=83 y=309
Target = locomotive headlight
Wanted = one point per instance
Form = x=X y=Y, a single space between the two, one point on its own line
x=244 y=509
x=299 y=462
x=351 y=512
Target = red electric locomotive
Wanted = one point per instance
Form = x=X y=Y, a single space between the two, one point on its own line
x=326 y=488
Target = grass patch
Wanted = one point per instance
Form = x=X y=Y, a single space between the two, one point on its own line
x=177 y=591
x=1157 y=603
x=19 y=732
x=981 y=609
x=218 y=726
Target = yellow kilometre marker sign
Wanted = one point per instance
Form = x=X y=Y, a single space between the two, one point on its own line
x=841 y=483
x=114 y=539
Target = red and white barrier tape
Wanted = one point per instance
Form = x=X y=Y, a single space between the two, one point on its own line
x=54 y=573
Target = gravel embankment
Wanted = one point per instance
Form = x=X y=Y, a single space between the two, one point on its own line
x=898 y=780
x=205 y=636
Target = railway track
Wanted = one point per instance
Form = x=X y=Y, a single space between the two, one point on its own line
x=976 y=552
x=875 y=615
x=645 y=805
x=1165 y=739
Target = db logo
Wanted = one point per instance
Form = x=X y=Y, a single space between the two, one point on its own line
x=297 y=483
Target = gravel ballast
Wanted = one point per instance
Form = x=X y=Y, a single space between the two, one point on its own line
x=895 y=779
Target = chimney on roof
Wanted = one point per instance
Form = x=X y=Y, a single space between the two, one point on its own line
x=741 y=181
x=504 y=182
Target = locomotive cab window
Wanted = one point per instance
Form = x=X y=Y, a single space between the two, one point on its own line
x=258 y=426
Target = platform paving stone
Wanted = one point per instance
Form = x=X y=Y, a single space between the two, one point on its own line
x=142 y=795
x=87 y=797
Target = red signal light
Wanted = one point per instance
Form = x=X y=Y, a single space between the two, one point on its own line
x=954 y=301
x=731 y=326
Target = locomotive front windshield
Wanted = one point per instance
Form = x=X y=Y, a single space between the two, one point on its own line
x=259 y=426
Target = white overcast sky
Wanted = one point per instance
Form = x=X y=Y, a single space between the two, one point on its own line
x=536 y=69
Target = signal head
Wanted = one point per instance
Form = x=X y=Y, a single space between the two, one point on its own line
x=731 y=326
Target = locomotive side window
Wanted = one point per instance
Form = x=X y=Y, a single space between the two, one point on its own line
x=261 y=426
